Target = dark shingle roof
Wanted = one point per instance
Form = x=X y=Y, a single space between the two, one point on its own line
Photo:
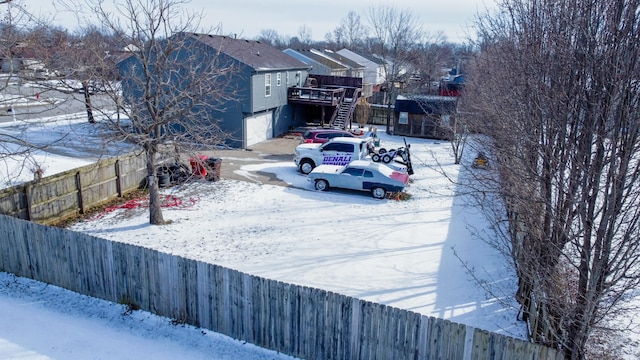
x=343 y=59
x=371 y=58
x=255 y=54
x=328 y=62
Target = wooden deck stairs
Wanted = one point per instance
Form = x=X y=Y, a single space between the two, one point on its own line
x=344 y=111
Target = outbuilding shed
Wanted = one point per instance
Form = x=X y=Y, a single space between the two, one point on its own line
x=426 y=116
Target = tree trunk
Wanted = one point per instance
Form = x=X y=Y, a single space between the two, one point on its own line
x=87 y=102
x=155 y=203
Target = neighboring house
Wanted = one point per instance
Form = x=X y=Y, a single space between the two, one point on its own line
x=427 y=116
x=320 y=64
x=452 y=85
x=262 y=74
x=354 y=69
x=374 y=72
x=11 y=64
x=14 y=64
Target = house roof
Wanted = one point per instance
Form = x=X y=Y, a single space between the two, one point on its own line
x=259 y=56
x=366 y=56
x=342 y=59
x=320 y=59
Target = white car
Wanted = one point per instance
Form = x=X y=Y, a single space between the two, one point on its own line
x=337 y=151
x=361 y=175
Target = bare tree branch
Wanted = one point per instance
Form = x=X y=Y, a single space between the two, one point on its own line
x=556 y=89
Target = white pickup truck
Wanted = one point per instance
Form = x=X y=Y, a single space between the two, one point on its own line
x=337 y=151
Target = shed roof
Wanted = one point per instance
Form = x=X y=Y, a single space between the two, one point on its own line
x=426 y=104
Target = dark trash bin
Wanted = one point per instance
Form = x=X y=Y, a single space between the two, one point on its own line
x=164 y=177
x=213 y=166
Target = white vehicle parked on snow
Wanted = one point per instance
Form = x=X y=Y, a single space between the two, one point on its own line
x=361 y=175
x=337 y=151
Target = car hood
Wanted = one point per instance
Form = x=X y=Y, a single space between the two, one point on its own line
x=326 y=169
x=308 y=146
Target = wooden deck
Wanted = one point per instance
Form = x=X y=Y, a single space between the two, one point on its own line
x=315 y=96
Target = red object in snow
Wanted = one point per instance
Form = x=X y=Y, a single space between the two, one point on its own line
x=197 y=165
x=400 y=176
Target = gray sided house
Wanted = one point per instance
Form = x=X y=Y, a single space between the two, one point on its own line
x=426 y=116
x=321 y=65
x=355 y=69
x=258 y=108
x=374 y=72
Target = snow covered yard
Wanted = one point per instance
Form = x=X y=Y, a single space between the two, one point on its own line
x=41 y=321
x=407 y=254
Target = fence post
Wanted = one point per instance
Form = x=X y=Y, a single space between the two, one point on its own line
x=118 y=178
x=79 y=187
x=27 y=198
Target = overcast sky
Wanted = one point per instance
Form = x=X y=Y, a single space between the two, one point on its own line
x=247 y=18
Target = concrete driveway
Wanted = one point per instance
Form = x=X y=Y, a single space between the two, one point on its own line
x=279 y=149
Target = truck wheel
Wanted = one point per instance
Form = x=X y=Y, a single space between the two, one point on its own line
x=322 y=185
x=386 y=158
x=306 y=166
x=378 y=192
x=375 y=157
x=382 y=151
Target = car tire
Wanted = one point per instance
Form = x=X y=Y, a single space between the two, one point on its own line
x=382 y=151
x=386 y=158
x=375 y=157
x=378 y=192
x=322 y=185
x=306 y=166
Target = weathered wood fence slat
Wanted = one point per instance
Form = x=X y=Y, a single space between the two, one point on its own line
x=54 y=198
x=295 y=320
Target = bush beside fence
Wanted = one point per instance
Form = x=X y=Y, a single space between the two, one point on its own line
x=295 y=320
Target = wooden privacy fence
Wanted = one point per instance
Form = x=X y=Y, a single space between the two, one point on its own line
x=57 y=197
x=295 y=320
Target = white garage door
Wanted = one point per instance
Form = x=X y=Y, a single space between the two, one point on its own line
x=258 y=128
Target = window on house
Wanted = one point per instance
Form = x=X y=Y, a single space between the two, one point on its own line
x=278 y=79
x=403 y=118
x=267 y=85
x=298 y=76
x=445 y=120
x=287 y=78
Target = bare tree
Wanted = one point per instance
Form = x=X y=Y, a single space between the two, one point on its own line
x=24 y=40
x=395 y=33
x=271 y=37
x=350 y=33
x=556 y=91
x=82 y=64
x=305 y=35
x=173 y=84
